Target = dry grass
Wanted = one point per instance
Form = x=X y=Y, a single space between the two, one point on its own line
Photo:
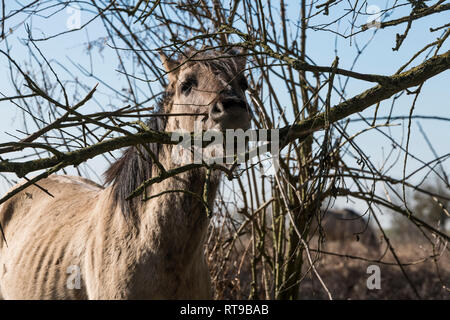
x=345 y=277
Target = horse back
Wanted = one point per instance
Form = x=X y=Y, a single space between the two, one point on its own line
x=45 y=227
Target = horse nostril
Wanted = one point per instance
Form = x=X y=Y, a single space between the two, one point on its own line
x=225 y=108
x=227 y=104
x=217 y=109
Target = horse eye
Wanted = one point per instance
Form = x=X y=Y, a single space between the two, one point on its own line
x=187 y=85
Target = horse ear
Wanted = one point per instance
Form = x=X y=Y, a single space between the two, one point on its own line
x=170 y=65
x=241 y=57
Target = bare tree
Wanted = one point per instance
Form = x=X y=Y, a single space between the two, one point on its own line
x=260 y=235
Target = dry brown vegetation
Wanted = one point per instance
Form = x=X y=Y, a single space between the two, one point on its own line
x=346 y=277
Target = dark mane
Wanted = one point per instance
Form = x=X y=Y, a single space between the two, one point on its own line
x=134 y=166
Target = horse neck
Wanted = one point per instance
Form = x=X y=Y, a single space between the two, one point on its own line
x=170 y=224
x=175 y=223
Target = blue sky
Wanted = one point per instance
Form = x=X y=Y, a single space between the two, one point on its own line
x=377 y=58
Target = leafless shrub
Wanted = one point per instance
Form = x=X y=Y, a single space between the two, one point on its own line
x=260 y=244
